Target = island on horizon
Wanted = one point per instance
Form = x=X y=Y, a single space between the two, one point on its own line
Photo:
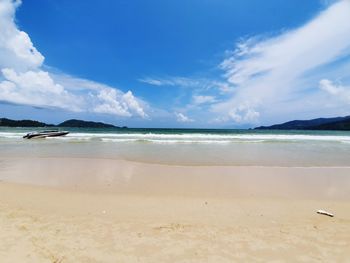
x=336 y=124
x=72 y=123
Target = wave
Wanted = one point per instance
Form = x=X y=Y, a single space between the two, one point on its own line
x=166 y=141
x=209 y=137
x=188 y=137
x=11 y=135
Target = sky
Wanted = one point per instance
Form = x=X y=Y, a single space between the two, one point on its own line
x=185 y=63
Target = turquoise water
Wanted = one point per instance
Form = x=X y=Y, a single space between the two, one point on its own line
x=188 y=146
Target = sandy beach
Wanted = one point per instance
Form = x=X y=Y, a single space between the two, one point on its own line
x=135 y=212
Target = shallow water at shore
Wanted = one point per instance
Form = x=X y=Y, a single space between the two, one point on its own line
x=189 y=147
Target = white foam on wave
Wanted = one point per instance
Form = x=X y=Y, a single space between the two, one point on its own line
x=118 y=140
x=11 y=135
x=167 y=141
x=211 y=137
x=189 y=137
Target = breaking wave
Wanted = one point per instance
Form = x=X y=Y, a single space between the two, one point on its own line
x=187 y=138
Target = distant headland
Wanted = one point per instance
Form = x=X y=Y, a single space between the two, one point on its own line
x=73 y=123
x=336 y=124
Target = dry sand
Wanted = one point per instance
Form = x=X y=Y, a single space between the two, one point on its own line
x=153 y=213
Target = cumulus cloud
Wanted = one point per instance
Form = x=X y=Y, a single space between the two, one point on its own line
x=180 y=117
x=243 y=114
x=36 y=88
x=240 y=115
x=24 y=81
x=110 y=103
x=16 y=49
x=276 y=73
x=101 y=98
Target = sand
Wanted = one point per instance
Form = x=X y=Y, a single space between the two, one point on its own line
x=137 y=212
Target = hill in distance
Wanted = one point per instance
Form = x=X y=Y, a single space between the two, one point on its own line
x=23 y=123
x=4 y=122
x=85 y=124
x=337 y=123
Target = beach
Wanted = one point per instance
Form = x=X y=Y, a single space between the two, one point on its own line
x=65 y=206
x=174 y=131
x=45 y=225
x=167 y=218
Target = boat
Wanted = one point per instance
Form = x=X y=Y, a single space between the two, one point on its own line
x=45 y=134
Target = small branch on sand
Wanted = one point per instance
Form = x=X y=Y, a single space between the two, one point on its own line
x=322 y=212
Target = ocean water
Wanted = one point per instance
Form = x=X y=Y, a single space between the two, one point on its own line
x=188 y=146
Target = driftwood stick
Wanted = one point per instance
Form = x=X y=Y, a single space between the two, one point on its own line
x=322 y=212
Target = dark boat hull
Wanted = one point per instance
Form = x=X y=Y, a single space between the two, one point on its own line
x=39 y=135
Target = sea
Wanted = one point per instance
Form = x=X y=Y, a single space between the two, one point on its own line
x=202 y=147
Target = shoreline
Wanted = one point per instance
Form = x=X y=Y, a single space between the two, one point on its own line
x=194 y=165
x=128 y=177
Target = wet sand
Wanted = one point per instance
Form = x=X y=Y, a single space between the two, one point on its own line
x=93 y=210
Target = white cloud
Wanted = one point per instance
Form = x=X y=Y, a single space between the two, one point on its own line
x=339 y=92
x=24 y=81
x=200 y=99
x=155 y=82
x=102 y=98
x=197 y=83
x=171 y=81
x=243 y=114
x=275 y=74
x=328 y=2
x=180 y=117
x=110 y=104
x=16 y=48
x=131 y=102
x=36 y=88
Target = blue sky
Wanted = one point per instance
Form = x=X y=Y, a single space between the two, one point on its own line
x=186 y=63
